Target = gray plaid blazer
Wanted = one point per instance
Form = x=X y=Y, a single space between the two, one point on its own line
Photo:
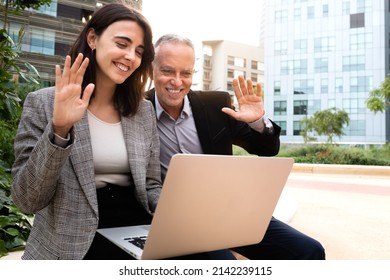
x=58 y=185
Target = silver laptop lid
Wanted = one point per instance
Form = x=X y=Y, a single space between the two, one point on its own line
x=210 y=202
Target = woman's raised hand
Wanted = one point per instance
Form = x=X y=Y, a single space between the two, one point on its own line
x=70 y=103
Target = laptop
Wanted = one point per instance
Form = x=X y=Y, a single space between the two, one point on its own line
x=207 y=203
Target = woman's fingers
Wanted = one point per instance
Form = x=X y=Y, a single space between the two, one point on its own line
x=75 y=74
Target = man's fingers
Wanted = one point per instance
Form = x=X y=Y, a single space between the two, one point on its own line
x=243 y=85
x=259 y=90
x=236 y=88
x=249 y=86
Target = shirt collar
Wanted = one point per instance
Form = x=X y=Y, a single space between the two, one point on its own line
x=185 y=112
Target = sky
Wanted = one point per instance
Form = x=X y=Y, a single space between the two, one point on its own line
x=237 y=21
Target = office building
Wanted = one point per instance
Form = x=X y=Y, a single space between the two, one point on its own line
x=225 y=60
x=50 y=31
x=324 y=54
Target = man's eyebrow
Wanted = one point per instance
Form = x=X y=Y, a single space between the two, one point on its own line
x=128 y=40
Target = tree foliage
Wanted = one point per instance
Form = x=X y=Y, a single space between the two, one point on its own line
x=378 y=100
x=328 y=123
x=14 y=225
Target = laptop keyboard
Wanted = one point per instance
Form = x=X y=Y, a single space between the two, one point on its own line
x=138 y=241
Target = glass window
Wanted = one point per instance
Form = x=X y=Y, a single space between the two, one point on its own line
x=300 y=66
x=356 y=128
x=50 y=10
x=276 y=87
x=360 y=6
x=230 y=86
x=297 y=127
x=304 y=86
x=300 y=107
x=355 y=62
x=346 y=9
x=339 y=85
x=280 y=108
x=300 y=46
x=254 y=64
x=324 y=44
x=236 y=61
x=281 y=16
x=361 y=84
x=354 y=105
x=206 y=75
x=230 y=60
x=324 y=86
x=206 y=61
x=313 y=106
x=325 y=10
x=280 y=47
x=368 y=6
x=240 y=62
x=286 y=67
x=254 y=77
x=360 y=41
x=42 y=41
x=321 y=65
x=310 y=12
x=356 y=20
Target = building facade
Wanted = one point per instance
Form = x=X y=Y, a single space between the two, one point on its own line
x=50 y=31
x=324 y=54
x=225 y=60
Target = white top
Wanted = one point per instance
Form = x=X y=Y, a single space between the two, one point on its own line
x=109 y=152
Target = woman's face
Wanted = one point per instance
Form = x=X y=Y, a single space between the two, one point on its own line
x=118 y=50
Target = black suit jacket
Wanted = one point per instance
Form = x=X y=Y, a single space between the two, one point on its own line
x=218 y=131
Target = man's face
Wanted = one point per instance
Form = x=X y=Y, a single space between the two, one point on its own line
x=172 y=73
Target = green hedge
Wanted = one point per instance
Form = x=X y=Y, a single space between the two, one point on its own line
x=334 y=154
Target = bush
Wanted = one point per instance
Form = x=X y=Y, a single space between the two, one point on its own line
x=333 y=154
x=14 y=225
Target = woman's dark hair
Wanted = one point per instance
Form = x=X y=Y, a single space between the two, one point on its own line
x=128 y=94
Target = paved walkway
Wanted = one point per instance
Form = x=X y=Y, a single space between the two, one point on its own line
x=348 y=213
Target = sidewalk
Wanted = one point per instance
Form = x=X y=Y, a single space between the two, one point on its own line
x=346 y=208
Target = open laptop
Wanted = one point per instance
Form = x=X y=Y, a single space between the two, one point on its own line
x=207 y=203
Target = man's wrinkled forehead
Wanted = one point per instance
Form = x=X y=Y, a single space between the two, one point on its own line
x=174 y=55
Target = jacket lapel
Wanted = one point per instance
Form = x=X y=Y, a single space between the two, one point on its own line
x=82 y=161
x=133 y=133
x=201 y=120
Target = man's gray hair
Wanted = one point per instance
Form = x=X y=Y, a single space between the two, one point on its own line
x=173 y=38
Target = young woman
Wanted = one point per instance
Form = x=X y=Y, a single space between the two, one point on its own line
x=87 y=150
